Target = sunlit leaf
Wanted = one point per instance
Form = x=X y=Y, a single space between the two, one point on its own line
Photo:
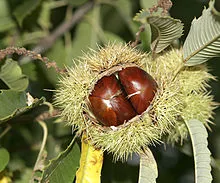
x=14 y=103
x=11 y=75
x=201 y=152
x=203 y=40
x=25 y=9
x=63 y=168
x=148 y=168
x=4 y=158
x=90 y=163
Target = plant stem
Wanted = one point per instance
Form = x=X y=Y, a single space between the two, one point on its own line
x=41 y=156
x=5 y=131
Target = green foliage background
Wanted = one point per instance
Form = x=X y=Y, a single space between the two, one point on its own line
x=28 y=23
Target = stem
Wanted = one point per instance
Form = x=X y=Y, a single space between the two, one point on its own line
x=45 y=131
x=5 y=131
x=41 y=156
x=178 y=70
x=138 y=34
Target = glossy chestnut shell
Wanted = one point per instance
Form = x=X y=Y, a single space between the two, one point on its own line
x=114 y=101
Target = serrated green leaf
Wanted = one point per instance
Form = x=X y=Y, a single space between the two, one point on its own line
x=14 y=103
x=11 y=75
x=203 y=40
x=63 y=168
x=164 y=31
x=142 y=16
x=25 y=9
x=148 y=168
x=201 y=152
x=4 y=158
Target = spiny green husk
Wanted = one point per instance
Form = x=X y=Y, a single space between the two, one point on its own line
x=182 y=95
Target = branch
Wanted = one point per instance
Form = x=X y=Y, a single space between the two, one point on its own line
x=31 y=54
x=47 y=42
x=138 y=34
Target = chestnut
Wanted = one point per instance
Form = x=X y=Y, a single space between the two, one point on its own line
x=109 y=103
x=139 y=86
x=114 y=101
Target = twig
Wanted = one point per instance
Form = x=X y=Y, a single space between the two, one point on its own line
x=41 y=156
x=47 y=42
x=6 y=130
x=164 y=4
x=32 y=54
x=137 y=39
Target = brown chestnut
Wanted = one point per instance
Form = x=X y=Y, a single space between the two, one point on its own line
x=109 y=103
x=139 y=86
x=114 y=101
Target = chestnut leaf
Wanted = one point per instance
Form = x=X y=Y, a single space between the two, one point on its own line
x=201 y=153
x=203 y=40
x=63 y=167
x=164 y=29
x=15 y=103
x=148 y=168
x=11 y=75
x=91 y=161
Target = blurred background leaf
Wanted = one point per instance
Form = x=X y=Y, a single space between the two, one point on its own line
x=4 y=158
x=25 y=9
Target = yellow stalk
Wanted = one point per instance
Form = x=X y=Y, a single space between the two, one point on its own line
x=90 y=163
